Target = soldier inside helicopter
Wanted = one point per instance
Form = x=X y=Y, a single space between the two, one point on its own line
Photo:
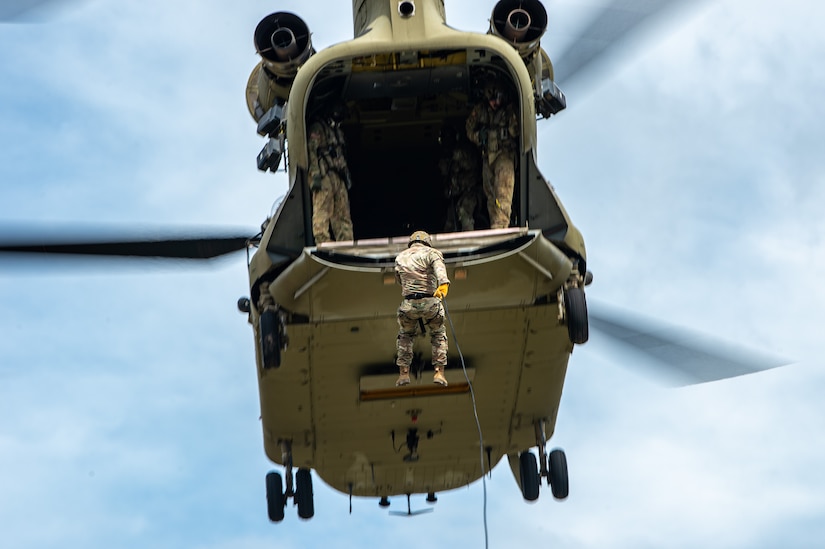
x=395 y=150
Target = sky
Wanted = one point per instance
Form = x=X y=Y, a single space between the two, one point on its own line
x=691 y=160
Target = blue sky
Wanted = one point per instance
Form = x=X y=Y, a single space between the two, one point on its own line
x=693 y=166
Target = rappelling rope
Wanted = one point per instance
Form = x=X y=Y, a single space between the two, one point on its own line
x=475 y=414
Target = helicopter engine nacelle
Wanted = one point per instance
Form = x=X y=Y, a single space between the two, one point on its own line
x=283 y=41
x=521 y=23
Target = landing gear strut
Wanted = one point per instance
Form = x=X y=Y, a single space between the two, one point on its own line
x=277 y=494
x=553 y=467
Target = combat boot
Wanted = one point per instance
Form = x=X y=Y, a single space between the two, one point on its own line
x=403 y=376
x=439 y=376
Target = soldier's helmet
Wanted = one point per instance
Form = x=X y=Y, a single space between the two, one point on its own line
x=420 y=236
x=495 y=91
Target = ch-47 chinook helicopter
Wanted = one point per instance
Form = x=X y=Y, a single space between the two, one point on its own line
x=323 y=315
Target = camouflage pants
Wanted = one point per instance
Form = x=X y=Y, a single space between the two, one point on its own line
x=499 y=177
x=464 y=207
x=431 y=312
x=330 y=207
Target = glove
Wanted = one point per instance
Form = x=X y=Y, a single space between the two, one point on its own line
x=441 y=291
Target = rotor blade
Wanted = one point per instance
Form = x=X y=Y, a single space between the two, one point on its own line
x=685 y=357
x=613 y=23
x=179 y=246
x=18 y=11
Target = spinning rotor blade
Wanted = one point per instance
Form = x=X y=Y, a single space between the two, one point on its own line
x=17 y=11
x=617 y=20
x=167 y=246
x=684 y=357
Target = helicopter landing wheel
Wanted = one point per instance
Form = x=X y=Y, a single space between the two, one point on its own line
x=558 y=480
x=303 y=494
x=529 y=474
x=575 y=311
x=275 y=499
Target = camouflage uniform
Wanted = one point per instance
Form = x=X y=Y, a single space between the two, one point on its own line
x=495 y=131
x=420 y=270
x=462 y=173
x=329 y=180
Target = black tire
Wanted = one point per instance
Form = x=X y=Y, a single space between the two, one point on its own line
x=529 y=474
x=270 y=327
x=557 y=466
x=275 y=500
x=575 y=307
x=303 y=494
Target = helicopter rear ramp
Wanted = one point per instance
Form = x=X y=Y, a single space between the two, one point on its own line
x=334 y=397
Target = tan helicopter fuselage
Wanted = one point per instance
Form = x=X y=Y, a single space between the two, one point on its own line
x=331 y=401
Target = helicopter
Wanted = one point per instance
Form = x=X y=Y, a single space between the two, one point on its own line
x=325 y=351
x=305 y=323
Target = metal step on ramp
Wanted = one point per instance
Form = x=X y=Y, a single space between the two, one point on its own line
x=382 y=386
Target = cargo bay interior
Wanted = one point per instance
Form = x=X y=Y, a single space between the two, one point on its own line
x=392 y=127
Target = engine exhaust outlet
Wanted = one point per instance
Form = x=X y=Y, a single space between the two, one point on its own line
x=518 y=23
x=284 y=44
x=521 y=23
x=283 y=40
